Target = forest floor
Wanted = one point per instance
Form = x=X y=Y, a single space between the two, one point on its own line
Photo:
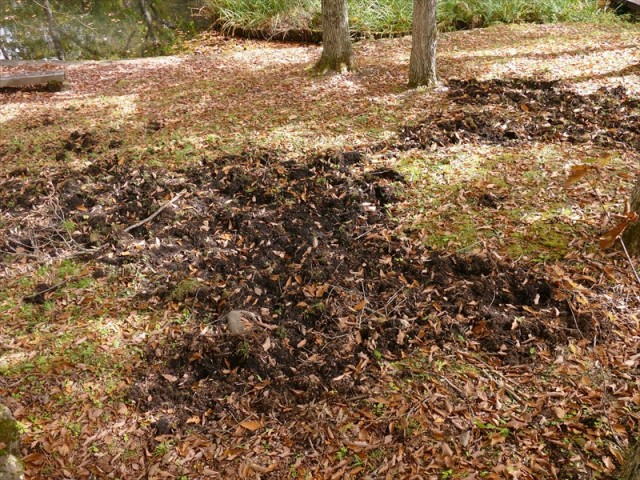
x=433 y=301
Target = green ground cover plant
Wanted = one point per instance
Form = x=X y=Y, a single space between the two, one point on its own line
x=394 y=16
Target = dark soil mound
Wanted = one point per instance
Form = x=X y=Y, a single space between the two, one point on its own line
x=519 y=110
x=308 y=246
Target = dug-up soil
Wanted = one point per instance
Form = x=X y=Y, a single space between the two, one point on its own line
x=515 y=111
x=310 y=247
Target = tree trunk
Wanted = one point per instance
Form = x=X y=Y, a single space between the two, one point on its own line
x=631 y=236
x=337 y=52
x=3 y=50
x=149 y=21
x=53 y=32
x=422 y=64
x=631 y=467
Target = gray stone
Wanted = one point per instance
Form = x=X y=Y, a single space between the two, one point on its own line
x=11 y=468
x=10 y=464
x=240 y=322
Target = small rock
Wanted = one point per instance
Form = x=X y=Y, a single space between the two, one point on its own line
x=10 y=464
x=240 y=322
x=11 y=468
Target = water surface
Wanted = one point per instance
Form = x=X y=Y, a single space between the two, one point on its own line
x=95 y=29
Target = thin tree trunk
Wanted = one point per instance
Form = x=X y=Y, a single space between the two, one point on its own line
x=337 y=51
x=422 y=64
x=631 y=236
x=149 y=21
x=631 y=467
x=53 y=32
x=3 y=50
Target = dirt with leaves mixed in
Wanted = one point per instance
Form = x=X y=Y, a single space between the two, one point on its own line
x=309 y=247
x=517 y=110
x=423 y=269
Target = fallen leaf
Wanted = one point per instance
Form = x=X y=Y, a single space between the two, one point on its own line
x=609 y=238
x=251 y=425
x=560 y=412
x=577 y=172
x=359 y=306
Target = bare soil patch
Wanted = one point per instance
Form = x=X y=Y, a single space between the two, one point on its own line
x=513 y=111
x=309 y=247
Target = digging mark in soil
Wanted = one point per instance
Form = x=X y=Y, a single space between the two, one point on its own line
x=308 y=246
x=513 y=111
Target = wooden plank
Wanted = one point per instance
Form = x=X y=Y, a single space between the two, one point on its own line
x=25 y=79
x=633 y=5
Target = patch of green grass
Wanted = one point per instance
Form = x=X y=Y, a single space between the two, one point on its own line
x=448 y=209
x=342 y=453
x=84 y=282
x=243 y=350
x=388 y=16
x=394 y=16
x=457 y=15
x=460 y=233
x=490 y=427
x=185 y=289
x=69 y=226
x=68 y=268
x=162 y=449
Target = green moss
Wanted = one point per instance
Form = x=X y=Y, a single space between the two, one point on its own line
x=68 y=268
x=541 y=241
x=461 y=233
x=9 y=431
x=185 y=289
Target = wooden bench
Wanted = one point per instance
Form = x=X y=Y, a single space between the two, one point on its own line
x=632 y=5
x=53 y=80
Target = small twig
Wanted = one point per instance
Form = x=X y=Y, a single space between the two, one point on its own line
x=156 y=213
x=502 y=380
x=635 y=272
x=367 y=232
x=575 y=320
x=457 y=389
x=52 y=288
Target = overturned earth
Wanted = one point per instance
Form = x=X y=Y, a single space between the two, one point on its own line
x=309 y=246
x=519 y=110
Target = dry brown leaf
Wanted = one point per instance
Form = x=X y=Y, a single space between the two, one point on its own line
x=577 y=172
x=321 y=290
x=252 y=425
x=609 y=238
x=560 y=412
x=604 y=160
x=359 y=306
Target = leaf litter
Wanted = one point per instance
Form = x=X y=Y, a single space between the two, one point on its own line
x=305 y=244
x=375 y=356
